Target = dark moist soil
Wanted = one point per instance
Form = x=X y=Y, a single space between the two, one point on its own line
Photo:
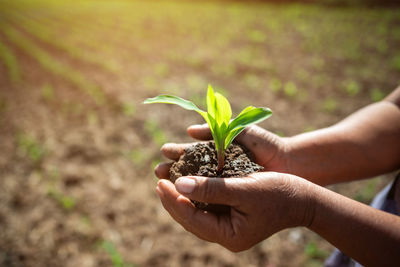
x=201 y=159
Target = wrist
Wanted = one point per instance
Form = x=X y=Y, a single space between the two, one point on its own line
x=310 y=203
x=293 y=149
x=303 y=201
x=306 y=158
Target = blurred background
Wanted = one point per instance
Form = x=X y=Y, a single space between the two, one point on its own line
x=77 y=147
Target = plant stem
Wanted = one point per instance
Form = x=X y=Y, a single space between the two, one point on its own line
x=221 y=160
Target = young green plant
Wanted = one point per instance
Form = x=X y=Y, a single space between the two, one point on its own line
x=218 y=117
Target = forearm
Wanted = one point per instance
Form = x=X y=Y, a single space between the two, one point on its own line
x=365 y=144
x=368 y=235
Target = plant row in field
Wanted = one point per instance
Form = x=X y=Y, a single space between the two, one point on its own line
x=10 y=61
x=45 y=35
x=73 y=28
x=124 y=32
x=54 y=66
x=253 y=41
x=312 y=41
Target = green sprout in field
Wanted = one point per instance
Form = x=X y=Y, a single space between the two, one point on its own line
x=30 y=148
x=218 y=118
x=116 y=258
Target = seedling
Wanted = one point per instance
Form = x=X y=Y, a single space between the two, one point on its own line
x=275 y=85
x=116 y=258
x=30 y=147
x=366 y=193
x=218 y=118
x=128 y=109
x=153 y=129
x=138 y=156
x=351 y=87
x=67 y=202
x=290 y=89
x=396 y=62
x=314 y=252
x=376 y=94
x=330 y=105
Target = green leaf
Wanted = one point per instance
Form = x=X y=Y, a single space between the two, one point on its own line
x=170 y=99
x=246 y=109
x=231 y=135
x=211 y=107
x=224 y=111
x=249 y=116
x=218 y=107
x=222 y=133
x=214 y=129
x=116 y=258
x=219 y=115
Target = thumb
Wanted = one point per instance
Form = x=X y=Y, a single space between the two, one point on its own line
x=210 y=190
x=263 y=144
x=200 y=132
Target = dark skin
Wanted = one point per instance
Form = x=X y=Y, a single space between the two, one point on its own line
x=363 y=145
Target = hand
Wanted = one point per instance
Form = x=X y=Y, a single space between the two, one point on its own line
x=269 y=149
x=261 y=205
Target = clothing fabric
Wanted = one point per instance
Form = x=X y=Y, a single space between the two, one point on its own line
x=386 y=200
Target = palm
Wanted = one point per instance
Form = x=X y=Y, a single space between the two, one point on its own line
x=267 y=148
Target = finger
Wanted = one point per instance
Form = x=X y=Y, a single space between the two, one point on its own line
x=174 y=151
x=205 y=225
x=224 y=191
x=168 y=197
x=261 y=143
x=250 y=136
x=162 y=170
x=200 y=132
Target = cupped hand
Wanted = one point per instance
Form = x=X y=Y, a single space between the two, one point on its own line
x=269 y=150
x=261 y=204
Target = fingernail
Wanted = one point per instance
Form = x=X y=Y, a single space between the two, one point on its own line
x=156 y=171
x=159 y=191
x=161 y=184
x=185 y=185
x=196 y=126
x=165 y=146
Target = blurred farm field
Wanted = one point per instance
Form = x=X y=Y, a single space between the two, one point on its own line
x=77 y=147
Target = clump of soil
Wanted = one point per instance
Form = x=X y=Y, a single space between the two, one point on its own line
x=201 y=160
